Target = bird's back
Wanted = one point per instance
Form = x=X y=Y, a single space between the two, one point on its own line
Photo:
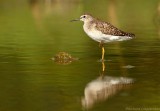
x=109 y=29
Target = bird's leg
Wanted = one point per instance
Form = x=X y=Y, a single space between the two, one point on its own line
x=103 y=69
x=101 y=44
x=103 y=50
x=103 y=66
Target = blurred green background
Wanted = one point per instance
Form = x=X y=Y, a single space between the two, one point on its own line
x=33 y=31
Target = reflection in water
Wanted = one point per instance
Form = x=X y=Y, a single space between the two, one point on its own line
x=158 y=16
x=102 y=88
x=36 y=12
x=44 y=8
x=112 y=13
x=156 y=19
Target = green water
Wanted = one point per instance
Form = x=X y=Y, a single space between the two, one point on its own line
x=33 y=31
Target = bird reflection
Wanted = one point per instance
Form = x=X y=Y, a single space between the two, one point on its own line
x=102 y=88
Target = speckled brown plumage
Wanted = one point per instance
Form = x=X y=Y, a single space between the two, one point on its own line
x=109 y=29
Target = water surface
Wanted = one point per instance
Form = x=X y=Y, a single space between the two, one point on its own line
x=32 y=32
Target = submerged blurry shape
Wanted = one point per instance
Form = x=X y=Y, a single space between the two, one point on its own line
x=101 y=89
x=63 y=58
x=128 y=66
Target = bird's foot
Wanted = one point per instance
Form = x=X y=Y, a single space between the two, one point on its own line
x=102 y=60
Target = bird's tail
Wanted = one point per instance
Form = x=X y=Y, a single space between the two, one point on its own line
x=130 y=34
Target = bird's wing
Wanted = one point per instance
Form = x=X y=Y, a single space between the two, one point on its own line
x=109 y=29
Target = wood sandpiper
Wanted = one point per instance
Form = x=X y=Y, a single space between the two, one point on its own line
x=102 y=32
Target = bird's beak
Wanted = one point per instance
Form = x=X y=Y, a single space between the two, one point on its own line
x=78 y=19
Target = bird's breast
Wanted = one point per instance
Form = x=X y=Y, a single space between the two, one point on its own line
x=92 y=32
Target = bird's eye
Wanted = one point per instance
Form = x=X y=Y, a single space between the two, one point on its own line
x=84 y=16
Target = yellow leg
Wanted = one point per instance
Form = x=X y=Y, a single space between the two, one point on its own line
x=103 y=69
x=103 y=51
x=103 y=66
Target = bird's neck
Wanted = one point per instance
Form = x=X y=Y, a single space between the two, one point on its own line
x=88 y=24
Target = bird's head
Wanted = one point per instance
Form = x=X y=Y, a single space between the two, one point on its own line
x=84 y=18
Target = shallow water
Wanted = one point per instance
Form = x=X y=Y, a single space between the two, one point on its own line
x=32 y=32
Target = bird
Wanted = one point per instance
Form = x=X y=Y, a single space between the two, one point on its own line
x=102 y=32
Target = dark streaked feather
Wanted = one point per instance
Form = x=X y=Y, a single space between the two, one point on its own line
x=109 y=29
